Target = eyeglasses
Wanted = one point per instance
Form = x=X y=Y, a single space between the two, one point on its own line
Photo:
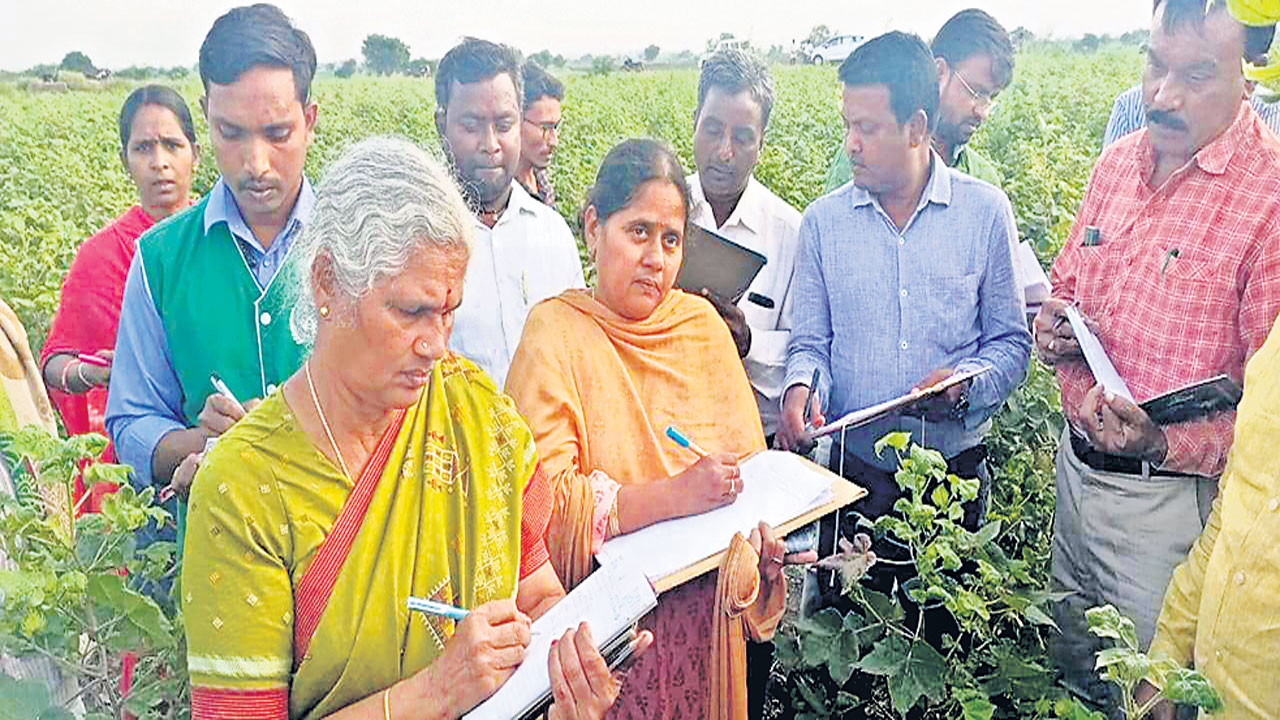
x=548 y=128
x=981 y=99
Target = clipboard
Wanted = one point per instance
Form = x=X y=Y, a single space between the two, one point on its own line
x=707 y=536
x=858 y=418
x=715 y=262
x=843 y=493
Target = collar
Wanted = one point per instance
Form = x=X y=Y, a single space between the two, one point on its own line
x=222 y=208
x=749 y=212
x=936 y=190
x=1214 y=157
x=520 y=201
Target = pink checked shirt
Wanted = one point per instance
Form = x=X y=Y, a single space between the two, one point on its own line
x=1183 y=280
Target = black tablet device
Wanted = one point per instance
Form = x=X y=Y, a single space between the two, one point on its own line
x=718 y=264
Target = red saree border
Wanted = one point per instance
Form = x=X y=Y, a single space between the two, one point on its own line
x=317 y=582
x=227 y=704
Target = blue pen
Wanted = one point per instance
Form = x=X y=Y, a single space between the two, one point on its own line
x=432 y=607
x=684 y=442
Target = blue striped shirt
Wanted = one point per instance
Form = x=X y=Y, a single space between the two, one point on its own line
x=1128 y=114
x=876 y=310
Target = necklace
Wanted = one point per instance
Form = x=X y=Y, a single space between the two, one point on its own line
x=323 y=422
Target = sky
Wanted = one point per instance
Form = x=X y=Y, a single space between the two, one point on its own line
x=119 y=33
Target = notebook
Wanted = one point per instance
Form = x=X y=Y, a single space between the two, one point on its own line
x=611 y=600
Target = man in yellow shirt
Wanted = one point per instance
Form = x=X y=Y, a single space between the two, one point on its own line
x=1222 y=609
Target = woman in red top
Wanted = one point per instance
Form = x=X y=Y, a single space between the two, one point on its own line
x=159 y=150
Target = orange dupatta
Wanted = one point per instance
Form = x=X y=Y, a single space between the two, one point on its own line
x=598 y=390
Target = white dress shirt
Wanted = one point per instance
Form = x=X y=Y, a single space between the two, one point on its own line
x=529 y=255
x=765 y=223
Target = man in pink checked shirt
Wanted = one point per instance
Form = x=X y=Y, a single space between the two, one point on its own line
x=1174 y=260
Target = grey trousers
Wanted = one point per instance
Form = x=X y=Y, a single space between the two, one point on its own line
x=1116 y=539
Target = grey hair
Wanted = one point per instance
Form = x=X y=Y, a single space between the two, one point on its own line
x=382 y=202
x=734 y=71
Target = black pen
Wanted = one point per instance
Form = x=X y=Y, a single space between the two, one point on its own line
x=808 y=399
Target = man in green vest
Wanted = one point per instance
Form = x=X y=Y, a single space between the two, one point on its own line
x=205 y=296
x=975 y=62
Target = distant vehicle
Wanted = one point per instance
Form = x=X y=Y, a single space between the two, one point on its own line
x=835 y=49
x=726 y=44
x=630 y=65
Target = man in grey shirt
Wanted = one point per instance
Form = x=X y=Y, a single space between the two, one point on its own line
x=904 y=277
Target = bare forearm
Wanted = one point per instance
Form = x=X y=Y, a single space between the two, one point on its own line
x=406 y=701
x=642 y=505
x=66 y=373
x=172 y=449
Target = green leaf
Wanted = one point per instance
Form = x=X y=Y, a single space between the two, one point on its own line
x=142 y=613
x=940 y=496
x=844 y=656
x=920 y=676
x=1188 y=687
x=1106 y=621
x=976 y=707
x=966 y=488
x=897 y=440
x=886 y=658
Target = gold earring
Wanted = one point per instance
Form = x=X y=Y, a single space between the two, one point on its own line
x=324 y=311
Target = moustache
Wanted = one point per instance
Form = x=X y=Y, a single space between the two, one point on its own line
x=1166 y=118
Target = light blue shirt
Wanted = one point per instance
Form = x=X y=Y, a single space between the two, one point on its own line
x=1128 y=114
x=144 y=401
x=876 y=310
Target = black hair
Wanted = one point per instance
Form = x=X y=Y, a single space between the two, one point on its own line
x=539 y=83
x=1257 y=39
x=474 y=60
x=734 y=71
x=163 y=96
x=253 y=35
x=902 y=62
x=629 y=165
x=972 y=32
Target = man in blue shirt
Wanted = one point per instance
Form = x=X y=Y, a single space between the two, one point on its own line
x=203 y=293
x=904 y=277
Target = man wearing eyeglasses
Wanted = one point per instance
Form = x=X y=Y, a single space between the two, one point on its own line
x=524 y=251
x=975 y=62
x=539 y=132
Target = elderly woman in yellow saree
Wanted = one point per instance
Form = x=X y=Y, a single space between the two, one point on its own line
x=385 y=467
x=599 y=374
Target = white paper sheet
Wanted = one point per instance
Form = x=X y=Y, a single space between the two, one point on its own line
x=776 y=487
x=610 y=600
x=1026 y=267
x=1103 y=371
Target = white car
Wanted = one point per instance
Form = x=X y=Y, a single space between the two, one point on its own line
x=835 y=49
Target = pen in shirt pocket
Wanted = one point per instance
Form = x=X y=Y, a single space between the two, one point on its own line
x=1171 y=255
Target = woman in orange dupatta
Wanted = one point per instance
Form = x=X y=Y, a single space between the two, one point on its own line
x=384 y=468
x=599 y=374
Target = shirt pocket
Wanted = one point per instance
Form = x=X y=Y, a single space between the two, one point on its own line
x=951 y=313
x=1197 y=288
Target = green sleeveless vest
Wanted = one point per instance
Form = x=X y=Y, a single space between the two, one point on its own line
x=215 y=317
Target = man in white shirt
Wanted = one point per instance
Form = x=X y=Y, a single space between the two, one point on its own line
x=735 y=95
x=524 y=251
